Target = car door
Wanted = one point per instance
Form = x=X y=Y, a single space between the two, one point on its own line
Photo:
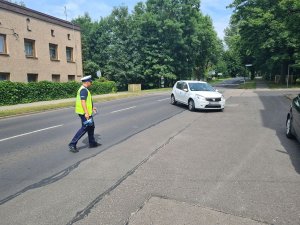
x=185 y=93
x=178 y=91
x=296 y=115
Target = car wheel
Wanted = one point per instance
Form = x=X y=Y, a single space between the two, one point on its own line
x=173 y=101
x=289 y=128
x=191 y=105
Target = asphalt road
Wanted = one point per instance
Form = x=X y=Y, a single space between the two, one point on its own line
x=34 y=151
x=234 y=163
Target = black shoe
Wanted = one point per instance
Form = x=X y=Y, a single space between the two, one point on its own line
x=94 y=145
x=73 y=148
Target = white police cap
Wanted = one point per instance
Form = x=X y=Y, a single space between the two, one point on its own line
x=87 y=78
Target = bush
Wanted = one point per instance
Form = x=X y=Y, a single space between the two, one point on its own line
x=17 y=93
x=103 y=87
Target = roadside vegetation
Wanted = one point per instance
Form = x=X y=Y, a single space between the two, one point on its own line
x=264 y=39
x=274 y=85
x=160 y=40
x=52 y=105
x=16 y=92
x=173 y=40
x=248 y=85
x=217 y=80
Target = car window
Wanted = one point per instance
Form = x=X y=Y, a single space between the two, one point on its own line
x=184 y=86
x=200 y=87
x=296 y=102
x=179 y=85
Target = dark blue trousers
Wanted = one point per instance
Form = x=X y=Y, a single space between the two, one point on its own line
x=89 y=129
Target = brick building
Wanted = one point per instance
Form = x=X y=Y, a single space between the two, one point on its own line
x=35 y=46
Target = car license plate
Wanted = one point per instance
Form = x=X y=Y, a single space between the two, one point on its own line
x=214 y=103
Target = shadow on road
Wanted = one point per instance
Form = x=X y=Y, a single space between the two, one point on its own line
x=85 y=141
x=274 y=117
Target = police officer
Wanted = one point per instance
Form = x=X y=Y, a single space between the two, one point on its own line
x=84 y=108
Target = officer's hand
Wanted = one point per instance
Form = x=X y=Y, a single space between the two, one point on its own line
x=87 y=116
x=95 y=110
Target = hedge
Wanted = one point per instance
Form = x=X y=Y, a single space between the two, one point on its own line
x=15 y=92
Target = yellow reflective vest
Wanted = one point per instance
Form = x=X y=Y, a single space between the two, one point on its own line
x=89 y=103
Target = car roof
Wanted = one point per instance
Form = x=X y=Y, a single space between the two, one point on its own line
x=192 y=81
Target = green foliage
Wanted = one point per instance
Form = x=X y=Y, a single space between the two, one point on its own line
x=86 y=26
x=266 y=34
x=16 y=93
x=102 y=79
x=103 y=87
x=161 y=38
x=90 y=68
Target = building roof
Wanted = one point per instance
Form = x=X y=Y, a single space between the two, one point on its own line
x=5 y=5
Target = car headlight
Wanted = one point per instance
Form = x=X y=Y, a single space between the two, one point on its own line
x=200 y=97
x=222 y=98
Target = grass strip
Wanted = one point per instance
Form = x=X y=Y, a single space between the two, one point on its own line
x=248 y=85
x=71 y=103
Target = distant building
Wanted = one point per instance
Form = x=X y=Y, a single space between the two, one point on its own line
x=36 y=47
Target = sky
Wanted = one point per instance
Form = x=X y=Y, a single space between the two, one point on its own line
x=216 y=9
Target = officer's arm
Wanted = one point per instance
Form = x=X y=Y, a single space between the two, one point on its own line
x=86 y=113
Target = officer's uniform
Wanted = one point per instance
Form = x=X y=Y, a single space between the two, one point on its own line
x=86 y=125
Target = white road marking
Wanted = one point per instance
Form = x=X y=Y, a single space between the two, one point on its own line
x=163 y=99
x=20 y=135
x=124 y=109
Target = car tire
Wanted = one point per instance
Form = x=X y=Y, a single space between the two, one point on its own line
x=289 y=125
x=191 y=105
x=173 y=101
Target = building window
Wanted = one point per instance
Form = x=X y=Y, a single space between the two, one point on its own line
x=3 y=44
x=4 y=76
x=32 y=77
x=52 y=33
x=55 y=77
x=69 y=53
x=71 y=77
x=53 y=51
x=29 y=48
x=69 y=36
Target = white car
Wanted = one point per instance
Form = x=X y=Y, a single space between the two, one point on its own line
x=197 y=95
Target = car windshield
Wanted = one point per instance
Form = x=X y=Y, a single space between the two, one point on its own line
x=200 y=87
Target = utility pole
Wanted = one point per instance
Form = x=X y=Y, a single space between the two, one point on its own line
x=288 y=77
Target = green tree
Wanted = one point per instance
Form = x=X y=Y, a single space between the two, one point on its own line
x=161 y=38
x=90 y=68
x=87 y=27
x=268 y=38
x=233 y=55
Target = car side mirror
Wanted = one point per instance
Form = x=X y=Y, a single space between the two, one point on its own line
x=185 y=89
x=217 y=90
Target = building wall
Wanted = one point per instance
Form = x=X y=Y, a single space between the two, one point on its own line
x=18 y=27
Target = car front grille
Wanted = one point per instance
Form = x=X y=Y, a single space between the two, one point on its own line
x=213 y=106
x=213 y=99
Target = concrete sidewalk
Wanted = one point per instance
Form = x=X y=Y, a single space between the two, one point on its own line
x=171 y=212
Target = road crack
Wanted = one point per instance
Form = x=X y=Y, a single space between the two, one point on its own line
x=86 y=211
